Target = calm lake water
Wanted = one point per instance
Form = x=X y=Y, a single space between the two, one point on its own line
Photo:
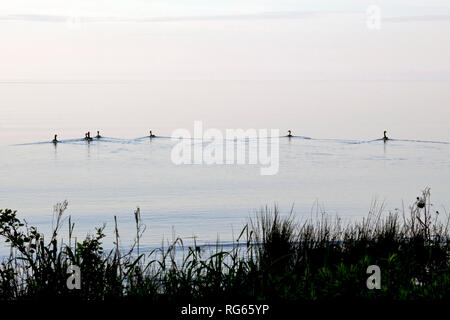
x=315 y=66
x=113 y=176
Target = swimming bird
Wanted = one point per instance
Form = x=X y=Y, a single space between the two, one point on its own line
x=98 y=136
x=385 y=138
x=151 y=134
x=289 y=133
x=87 y=136
x=55 y=140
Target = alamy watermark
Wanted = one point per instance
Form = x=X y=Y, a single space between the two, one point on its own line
x=374 y=280
x=74 y=20
x=74 y=280
x=235 y=146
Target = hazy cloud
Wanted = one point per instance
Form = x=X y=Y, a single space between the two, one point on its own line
x=417 y=18
x=250 y=16
x=255 y=16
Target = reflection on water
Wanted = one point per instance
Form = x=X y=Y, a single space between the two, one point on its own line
x=113 y=176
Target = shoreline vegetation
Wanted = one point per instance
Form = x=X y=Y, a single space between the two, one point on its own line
x=275 y=258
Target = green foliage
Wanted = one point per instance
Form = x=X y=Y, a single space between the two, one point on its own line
x=274 y=258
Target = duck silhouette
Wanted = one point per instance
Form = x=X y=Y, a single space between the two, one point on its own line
x=289 y=134
x=87 y=136
x=55 y=140
x=385 y=137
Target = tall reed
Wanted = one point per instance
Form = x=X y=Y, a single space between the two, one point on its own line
x=275 y=257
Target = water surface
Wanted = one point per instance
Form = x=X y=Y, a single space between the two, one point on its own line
x=113 y=176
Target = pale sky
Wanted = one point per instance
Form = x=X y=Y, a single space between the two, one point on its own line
x=242 y=39
x=333 y=64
